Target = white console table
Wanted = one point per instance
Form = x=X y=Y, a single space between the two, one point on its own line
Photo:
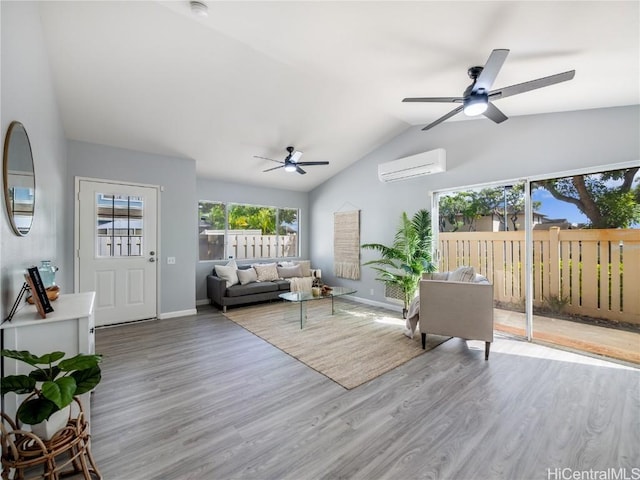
x=69 y=328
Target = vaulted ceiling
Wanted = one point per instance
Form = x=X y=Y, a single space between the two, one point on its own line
x=326 y=77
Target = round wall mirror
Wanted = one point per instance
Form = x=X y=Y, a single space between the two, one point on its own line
x=19 y=179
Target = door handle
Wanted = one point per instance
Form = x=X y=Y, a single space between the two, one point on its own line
x=152 y=259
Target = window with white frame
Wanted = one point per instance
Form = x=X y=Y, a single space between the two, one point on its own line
x=242 y=231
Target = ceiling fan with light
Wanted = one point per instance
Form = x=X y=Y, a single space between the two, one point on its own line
x=291 y=163
x=477 y=98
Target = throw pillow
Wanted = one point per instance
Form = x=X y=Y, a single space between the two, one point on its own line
x=248 y=275
x=462 y=274
x=290 y=272
x=286 y=264
x=266 y=272
x=228 y=272
x=306 y=267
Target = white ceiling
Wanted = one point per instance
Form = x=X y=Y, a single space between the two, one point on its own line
x=326 y=77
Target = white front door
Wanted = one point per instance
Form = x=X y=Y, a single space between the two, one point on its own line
x=116 y=249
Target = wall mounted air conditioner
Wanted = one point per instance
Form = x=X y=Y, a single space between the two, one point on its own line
x=425 y=163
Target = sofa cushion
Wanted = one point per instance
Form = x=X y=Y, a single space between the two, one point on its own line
x=247 y=275
x=266 y=271
x=228 y=272
x=306 y=267
x=462 y=274
x=289 y=272
x=251 y=288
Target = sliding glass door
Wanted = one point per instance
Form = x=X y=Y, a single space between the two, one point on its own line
x=562 y=253
x=586 y=262
x=484 y=227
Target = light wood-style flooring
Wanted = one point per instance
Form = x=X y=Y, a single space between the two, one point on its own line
x=201 y=398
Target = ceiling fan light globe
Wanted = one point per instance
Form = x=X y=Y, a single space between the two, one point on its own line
x=290 y=168
x=474 y=106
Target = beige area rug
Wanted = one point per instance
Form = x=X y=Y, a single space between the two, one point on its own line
x=355 y=345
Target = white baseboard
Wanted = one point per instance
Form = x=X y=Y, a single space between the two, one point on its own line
x=373 y=303
x=181 y=313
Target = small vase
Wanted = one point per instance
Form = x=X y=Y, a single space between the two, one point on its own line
x=47 y=273
x=47 y=429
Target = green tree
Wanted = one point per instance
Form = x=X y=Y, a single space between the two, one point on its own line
x=462 y=209
x=403 y=262
x=213 y=214
x=605 y=204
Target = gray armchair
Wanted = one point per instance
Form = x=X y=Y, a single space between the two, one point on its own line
x=456 y=309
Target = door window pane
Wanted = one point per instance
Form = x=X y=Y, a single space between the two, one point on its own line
x=119 y=225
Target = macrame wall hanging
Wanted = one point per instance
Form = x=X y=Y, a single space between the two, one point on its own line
x=346 y=244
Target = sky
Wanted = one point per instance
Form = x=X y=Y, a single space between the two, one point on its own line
x=556 y=209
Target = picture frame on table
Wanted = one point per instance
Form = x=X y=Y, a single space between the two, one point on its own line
x=38 y=292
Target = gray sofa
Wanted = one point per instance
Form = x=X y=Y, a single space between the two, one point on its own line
x=223 y=297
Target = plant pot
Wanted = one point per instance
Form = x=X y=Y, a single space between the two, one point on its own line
x=47 y=429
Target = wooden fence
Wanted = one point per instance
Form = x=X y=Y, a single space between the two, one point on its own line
x=596 y=272
x=262 y=246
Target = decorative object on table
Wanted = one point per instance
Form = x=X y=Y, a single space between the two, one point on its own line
x=38 y=291
x=47 y=273
x=317 y=277
x=19 y=179
x=346 y=244
x=14 y=308
x=52 y=383
x=53 y=293
x=403 y=263
x=316 y=291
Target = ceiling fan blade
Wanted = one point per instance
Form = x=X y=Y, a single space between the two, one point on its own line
x=531 y=85
x=434 y=99
x=274 y=168
x=312 y=163
x=299 y=170
x=445 y=117
x=491 y=70
x=265 y=158
x=295 y=156
x=494 y=113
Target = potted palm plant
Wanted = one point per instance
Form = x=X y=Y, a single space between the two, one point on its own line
x=403 y=263
x=51 y=385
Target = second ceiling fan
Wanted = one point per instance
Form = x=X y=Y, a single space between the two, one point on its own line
x=291 y=163
x=477 y=98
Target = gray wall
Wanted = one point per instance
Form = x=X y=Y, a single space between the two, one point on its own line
x=178 y=207
x=478 y=151
x=27 y=96
x=214 y=190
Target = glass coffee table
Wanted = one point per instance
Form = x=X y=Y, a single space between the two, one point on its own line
x=303 y=297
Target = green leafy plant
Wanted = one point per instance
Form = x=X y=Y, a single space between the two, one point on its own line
x=52 y=385
x=403 y=263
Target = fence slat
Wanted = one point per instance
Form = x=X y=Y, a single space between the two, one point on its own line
x=567 y=264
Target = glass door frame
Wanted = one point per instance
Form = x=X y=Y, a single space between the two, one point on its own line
x=528 y=212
